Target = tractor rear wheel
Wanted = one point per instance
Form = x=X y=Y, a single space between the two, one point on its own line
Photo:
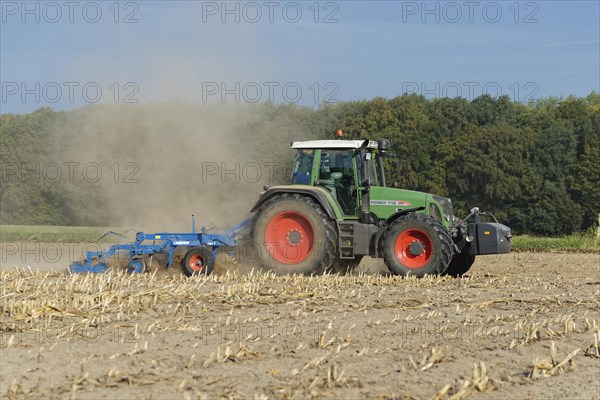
x=417 y=244
x=293 y=235
x=460 y=264
x=199 y=261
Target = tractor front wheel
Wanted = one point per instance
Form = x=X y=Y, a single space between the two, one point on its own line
x=293 y=235
x=418 y=245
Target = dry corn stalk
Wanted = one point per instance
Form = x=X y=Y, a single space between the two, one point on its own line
x=594 y=349
x=545 y=368
x=436 y=356
x=480 y=382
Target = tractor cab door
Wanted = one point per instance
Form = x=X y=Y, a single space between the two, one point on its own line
x=365 y=170
x=303 y=166
x=337 y=174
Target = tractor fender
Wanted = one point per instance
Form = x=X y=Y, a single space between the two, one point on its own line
x=384 y=227
x=317 y=194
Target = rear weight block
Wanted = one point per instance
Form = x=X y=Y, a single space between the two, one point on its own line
x=489 y=238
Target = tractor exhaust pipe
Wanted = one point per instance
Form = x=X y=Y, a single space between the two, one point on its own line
x=365 y=208
x=383 y=145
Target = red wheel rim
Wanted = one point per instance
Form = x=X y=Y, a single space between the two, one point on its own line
x=196 y=263
x=405 y=255
x=289 y=237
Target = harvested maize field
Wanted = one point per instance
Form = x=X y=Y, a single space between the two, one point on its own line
x=523 y=325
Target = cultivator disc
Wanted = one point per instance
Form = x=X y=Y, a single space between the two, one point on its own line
x=138 y=266
x=79 y=267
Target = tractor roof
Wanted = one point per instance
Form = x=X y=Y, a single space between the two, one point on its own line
x=335 y=144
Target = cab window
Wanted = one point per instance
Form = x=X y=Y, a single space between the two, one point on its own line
x=340 y=161
x=303 y=167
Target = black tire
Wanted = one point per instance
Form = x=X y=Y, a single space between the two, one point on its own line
x=433 y=248
x=461 y=263
x=295 y=253
x=198 y=261
x=344 y=266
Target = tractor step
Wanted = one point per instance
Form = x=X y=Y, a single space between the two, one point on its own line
x=346 y=239
x=355 y=239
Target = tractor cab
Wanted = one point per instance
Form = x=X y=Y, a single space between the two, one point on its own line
x=344 y=167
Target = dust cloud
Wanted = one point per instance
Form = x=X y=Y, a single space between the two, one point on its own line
x=174 y=154
x=161 y=163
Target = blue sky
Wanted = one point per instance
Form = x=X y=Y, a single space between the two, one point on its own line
x=301 y=52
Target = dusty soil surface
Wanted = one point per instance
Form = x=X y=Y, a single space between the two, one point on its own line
x=518 y=326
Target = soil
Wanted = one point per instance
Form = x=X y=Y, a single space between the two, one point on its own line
x=502 y=331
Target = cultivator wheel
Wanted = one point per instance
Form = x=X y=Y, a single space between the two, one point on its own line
x=198 y=261
x=418 y=245
x=138 y=266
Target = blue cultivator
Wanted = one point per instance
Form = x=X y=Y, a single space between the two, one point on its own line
x=200 y=255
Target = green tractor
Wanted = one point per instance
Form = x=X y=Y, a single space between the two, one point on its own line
x=338 y=209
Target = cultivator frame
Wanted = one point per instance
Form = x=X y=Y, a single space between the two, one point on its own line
x=96 y=261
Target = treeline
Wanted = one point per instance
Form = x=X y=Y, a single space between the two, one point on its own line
x=535 y=166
